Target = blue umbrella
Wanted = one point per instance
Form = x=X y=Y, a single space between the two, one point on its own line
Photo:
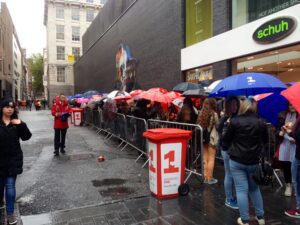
x=77 y=96
x=90 y=93
x=184 y=86
x=247 y=84
x=270 y=106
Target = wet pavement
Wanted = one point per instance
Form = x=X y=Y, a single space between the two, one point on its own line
x=76 y=189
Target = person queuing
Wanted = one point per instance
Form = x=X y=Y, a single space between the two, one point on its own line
x=245 y=136
x=60 y=110
x=295 y=212
x=231 y=109
x=12 y=129
x=287 y=146
x=208 y=120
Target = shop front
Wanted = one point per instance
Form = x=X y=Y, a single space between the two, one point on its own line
x=268 y=45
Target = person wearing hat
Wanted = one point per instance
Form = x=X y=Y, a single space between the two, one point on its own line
x=61 y=111
x=12 y=129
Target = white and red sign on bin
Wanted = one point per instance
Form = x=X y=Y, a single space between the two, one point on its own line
x=167 y=153
x=77 y=116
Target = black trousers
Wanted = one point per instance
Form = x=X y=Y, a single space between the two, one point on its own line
x=59 y=138
x=287 y=171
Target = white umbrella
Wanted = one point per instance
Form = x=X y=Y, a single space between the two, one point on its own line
x=117 y=93
x=212 y=86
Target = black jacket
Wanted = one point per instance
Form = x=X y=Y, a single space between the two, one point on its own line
x=11 y=155
x=245 y=136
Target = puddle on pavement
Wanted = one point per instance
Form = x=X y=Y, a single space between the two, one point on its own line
x=107 y=182
x=116 y=191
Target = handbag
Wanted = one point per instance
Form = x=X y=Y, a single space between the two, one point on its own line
x=276 y=164
x=206 y=136
x=264 y=173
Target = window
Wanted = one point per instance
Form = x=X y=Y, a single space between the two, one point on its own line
x=89 y=15
x=76 y=53
x=75 y=34
x=60 y=53
x=60 y=32
x=60 y=13
x=90 y=1
x=103 y=1
x=75 y=14
x=61 y=76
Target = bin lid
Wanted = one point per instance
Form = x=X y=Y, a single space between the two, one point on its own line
x=77 y=109
x=167 y=133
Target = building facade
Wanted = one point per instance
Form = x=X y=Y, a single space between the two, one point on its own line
x=248 y=36
x=17 y=68
x=65 y=21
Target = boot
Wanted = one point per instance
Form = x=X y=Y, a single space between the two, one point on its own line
x=288 y=190
x=56 y=152
x=62 y=151
x=12 y=219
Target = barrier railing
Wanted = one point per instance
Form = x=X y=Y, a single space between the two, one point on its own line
x=194 y=151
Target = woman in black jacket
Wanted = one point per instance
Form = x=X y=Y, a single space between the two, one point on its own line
x=11 y=155
x=245 y=136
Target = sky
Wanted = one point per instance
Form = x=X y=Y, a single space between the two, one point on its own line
x=28 y=18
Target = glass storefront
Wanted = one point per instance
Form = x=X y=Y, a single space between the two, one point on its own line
x=199 y=75
x=198 y=21
x=245 y=11
x=283 y=63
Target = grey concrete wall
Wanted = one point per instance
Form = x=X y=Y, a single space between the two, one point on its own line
x=152 y=29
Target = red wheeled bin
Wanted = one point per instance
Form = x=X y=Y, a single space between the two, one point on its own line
x=167 y=155
x=77 y=116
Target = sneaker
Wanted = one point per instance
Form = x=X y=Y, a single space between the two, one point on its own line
x=12 y=219
x=62 y=151
x=231 y=204
x=288 y=190
x=295 y=213
x=240 y=222
x=56 y=153
x=260 y=220
x=212 y=181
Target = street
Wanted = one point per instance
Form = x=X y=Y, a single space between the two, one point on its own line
x=76 y=189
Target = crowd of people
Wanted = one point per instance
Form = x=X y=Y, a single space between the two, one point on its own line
x=233 y=127
x=27 y=104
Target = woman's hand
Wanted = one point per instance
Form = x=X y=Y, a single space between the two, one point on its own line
x=15 y=121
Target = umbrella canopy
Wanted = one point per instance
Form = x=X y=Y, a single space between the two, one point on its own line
x=184 y=86
x=212 y=86
x=195 y=93
x=122 y=97
x=82 y=100
x=78 y=96
x=173 y=94
x=293 y=95
x=117 y=93
x=136 y=92
x=270 y=105
x=155 y=96
x=161 y=90
x=178 y=102
x=247 y=84
x=90 y=93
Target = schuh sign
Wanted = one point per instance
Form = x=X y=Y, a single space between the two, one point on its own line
x=274 y=30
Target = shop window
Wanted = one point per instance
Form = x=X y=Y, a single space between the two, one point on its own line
x=199 y=75
x=61 y=76
x=283 y=63
x=246 y=11
x=198 y=21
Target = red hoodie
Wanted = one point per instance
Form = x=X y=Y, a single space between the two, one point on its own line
x=58 y=108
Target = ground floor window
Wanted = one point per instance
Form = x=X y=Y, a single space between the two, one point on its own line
x=61 y=76
x=199 y=75
x=284 y=63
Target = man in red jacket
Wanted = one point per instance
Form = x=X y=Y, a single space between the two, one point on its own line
x=61 y=111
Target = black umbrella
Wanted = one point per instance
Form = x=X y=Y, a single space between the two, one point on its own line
x=182 y=87
x=195 y=93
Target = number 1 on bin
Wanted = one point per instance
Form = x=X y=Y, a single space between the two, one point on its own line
x=171 y=168
x=151 y=167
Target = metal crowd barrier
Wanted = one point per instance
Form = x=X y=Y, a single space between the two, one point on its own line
x=194 y=152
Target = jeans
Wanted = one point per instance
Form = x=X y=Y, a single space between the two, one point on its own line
x=59 y=138
x=9 y=184
x=244 y=185
x=228 y=180
x=296 y=179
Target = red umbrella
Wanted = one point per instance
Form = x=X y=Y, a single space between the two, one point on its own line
x=293 y=95
x=161 y=90
x=173 y=94
x=122 y=97
x=136 y=92
x=155 y=96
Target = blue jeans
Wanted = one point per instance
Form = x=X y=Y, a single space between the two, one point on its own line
x=296 y=179
x=244 y=185
x=228 y=180
x=9 y=184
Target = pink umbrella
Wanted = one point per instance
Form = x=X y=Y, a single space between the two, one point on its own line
x=173 y=95
x=161 y=90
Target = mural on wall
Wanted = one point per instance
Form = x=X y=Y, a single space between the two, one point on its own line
x=126 y=69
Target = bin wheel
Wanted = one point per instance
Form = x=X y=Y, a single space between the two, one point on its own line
x=183 y=189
